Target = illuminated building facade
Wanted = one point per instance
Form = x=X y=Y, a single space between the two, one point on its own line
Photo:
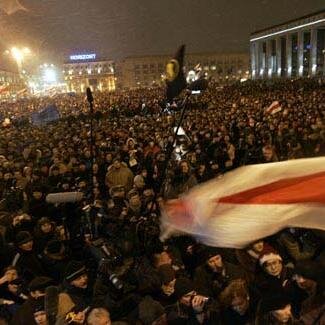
x=11 y=82
x=145 y=71
x=86 y=70
x=292 y=49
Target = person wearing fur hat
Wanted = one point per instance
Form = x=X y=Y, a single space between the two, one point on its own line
x=274 y=275
x=275 y=309
x=215 y=274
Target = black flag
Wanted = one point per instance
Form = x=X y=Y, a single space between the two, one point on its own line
x=175 y=78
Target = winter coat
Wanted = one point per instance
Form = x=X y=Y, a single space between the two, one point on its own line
x=210 y=283
x=29 y=265
x=122 y=176
x=268 y=283
x=25 y=314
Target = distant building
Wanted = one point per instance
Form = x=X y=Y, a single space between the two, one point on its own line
x=86 y=70
x=10 y=80
x=144 y=71
x=293 y=49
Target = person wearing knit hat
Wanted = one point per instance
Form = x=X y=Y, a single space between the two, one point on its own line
x=309 y=302
x=215 y=274
x=76 y=274
x=275 y=309
x=40 y=316
x=36 y=287
x=39 y=283
x=275 y=301
x=24 y=240
x=76 y=292
x=55 y=259
x=191 y=308
x=184 y=287
x=26 y=259
x=271 y=261
x=275 y=275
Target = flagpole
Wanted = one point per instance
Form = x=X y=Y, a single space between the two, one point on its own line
x=170 y=148
x=90 y=100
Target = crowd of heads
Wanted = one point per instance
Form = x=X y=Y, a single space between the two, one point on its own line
x=100 y=254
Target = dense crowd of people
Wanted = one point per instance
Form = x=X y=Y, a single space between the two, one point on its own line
x=98 y=257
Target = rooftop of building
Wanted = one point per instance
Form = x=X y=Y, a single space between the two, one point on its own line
x=314 y=14
x=154 y=56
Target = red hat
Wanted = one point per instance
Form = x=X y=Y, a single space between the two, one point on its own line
x=269 y=254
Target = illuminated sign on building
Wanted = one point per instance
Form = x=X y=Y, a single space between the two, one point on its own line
x=83 y=57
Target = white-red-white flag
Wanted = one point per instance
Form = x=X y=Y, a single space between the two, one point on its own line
x=274 y=108
x=250 y=203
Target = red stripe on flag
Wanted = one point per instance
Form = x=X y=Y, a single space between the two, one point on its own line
x=178 y=211
x=305 y=189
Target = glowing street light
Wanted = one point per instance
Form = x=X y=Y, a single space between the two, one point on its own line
x=18 y=55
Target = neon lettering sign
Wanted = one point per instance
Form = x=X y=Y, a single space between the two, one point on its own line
x=83 y=57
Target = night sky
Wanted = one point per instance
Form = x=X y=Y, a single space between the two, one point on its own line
x=119 y=28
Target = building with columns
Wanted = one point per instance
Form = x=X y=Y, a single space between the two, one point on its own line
x=145 y=71
x=87 y=70
x=293 y=49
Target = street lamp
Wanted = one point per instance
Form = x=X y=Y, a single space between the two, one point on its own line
x=18 y=55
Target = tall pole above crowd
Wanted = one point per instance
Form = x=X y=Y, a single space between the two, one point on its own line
x=90 y=100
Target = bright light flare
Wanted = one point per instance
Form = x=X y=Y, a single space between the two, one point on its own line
x=17 y=54
x=49 y=75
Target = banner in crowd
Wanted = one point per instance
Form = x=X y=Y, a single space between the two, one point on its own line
x=46 y=115
x=274 y=108
x=175 y=79
x=250 y=203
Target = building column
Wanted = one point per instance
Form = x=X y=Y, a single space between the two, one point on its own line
x=253 y=59
x=278 y=56
x=261 y=60
x=313 y=52
x=268 y=59
x=289 y=54
x=300 y=53
x=257 y=49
